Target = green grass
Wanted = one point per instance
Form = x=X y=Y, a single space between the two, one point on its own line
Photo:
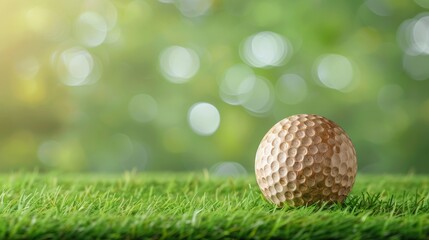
x=171 y=206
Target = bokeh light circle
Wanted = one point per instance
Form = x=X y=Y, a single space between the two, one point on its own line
x=204 y=118
x=106 y=9
x=266 y=49
x=179 y=64
x=241 y=86
x=413 y=35
x=258 y=95
x=291 y=89
x=91 y=29
x=231 y=87
x=77 y=67
x=421 y=35
x=335 y=71
x=193 y=8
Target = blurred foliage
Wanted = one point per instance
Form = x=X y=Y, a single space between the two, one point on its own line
x=69 y=71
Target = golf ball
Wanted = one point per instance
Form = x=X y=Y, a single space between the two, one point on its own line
x=305 y=159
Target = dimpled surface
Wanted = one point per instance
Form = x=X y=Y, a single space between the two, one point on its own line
x=305 y=159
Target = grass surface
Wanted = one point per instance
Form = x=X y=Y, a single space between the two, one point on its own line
x=169 y=206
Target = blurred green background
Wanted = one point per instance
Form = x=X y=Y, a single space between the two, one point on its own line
x=110 y=86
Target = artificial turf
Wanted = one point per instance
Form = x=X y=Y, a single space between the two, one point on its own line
x=195 y=206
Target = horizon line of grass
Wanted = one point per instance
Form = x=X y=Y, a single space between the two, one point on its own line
x=195 y=206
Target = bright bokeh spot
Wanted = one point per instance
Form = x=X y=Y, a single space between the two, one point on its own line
x=228 y=169
x=258 y=95
x=404 y=36
x=91 y=29
x=77 y=67
x=106 y=9
x=204 y=118
x=143 y=108
x=193 y=8
x=240 y=86
x=291 y=89
x=335 y=71
x=413 y=35
x=179 y=64
x=231 y=86
x=266 y=49
x=421 y=35
x=80 y=65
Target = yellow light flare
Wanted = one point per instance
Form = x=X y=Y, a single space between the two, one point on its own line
x=31 y=92
x=38 y=18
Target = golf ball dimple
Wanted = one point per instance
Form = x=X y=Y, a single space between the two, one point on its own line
x=305 y=159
